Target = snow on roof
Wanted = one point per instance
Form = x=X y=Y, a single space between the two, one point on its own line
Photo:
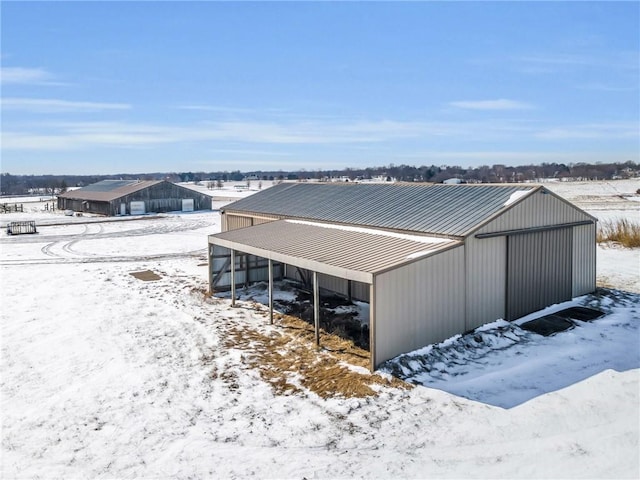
x=372 y=231
x=515 y=196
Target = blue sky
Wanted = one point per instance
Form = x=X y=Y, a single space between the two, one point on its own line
x=133 y=87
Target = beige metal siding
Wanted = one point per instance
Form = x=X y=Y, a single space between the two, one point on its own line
x=359 y=290
x=248 y=269
x=234 y=222
x=584 y=260
x=259 y=220
x=486 y=262
x=419 y=304
x=540 y=209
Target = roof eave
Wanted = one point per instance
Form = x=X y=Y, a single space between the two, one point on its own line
x=431 y=253
x=313 y=265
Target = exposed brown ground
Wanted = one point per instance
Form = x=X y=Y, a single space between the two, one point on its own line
x=146 y=275
x=290 y=361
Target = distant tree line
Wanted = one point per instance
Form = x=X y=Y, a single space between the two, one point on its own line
x=54 y=184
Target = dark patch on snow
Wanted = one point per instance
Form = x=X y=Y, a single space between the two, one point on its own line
x=560 y=321
x=548 y=325
x=583 y=314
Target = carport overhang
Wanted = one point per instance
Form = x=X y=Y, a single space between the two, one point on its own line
x=351 y=253
x=314 y=265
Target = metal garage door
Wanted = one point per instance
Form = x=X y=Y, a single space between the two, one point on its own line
x=538 y=270
x=187 y=205
x=137 y=208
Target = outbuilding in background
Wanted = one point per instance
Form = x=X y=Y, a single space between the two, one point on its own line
x=133 y=197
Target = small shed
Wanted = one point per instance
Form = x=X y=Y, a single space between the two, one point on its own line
x=133 y=197
x=432 y=260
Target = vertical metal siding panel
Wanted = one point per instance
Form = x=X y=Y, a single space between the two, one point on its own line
x=419 y=304
x=539 y=270
x=286 y=271
x=360 y=291
x=535 y=211
x=234 y=222
x=486 y=272
x=333 y=284
x=260 y=220
x=584 y=260
x=220 y=257
x=292 y=273
x=564 y=271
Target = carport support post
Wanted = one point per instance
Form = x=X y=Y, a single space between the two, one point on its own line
x=271 y=291
x=233 y=278
x=372 y=325
x=316 y=306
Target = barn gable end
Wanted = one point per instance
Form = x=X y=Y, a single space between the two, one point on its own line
x=541 y=235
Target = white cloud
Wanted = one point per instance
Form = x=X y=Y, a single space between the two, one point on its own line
x=603 y=87
x=28 y=76
x=76 y=135
x=592 y=131
x=23 y=75
x=558 y=62
x=252 y=152
x=28 y=141
x=42 y=105
x=376 y=135
x=499 y=104
x=217 y=109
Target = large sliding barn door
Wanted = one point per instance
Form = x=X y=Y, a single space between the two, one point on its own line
x=538 y=270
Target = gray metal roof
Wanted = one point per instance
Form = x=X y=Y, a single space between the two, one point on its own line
x=450 y=210
x=109 y=185
x=109 y=190
x=355 y=254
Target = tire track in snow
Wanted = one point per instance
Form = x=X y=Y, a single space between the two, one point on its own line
x=47 y=249
x=104 y=259
x=68 y=246
x=155 y=229
x=64 y=244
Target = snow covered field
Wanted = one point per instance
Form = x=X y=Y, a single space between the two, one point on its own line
x=105 y=375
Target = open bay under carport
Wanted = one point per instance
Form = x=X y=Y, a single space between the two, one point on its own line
x=348 y=258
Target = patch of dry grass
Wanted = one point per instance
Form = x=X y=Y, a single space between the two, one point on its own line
x=623 y=231
x=290 y=361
